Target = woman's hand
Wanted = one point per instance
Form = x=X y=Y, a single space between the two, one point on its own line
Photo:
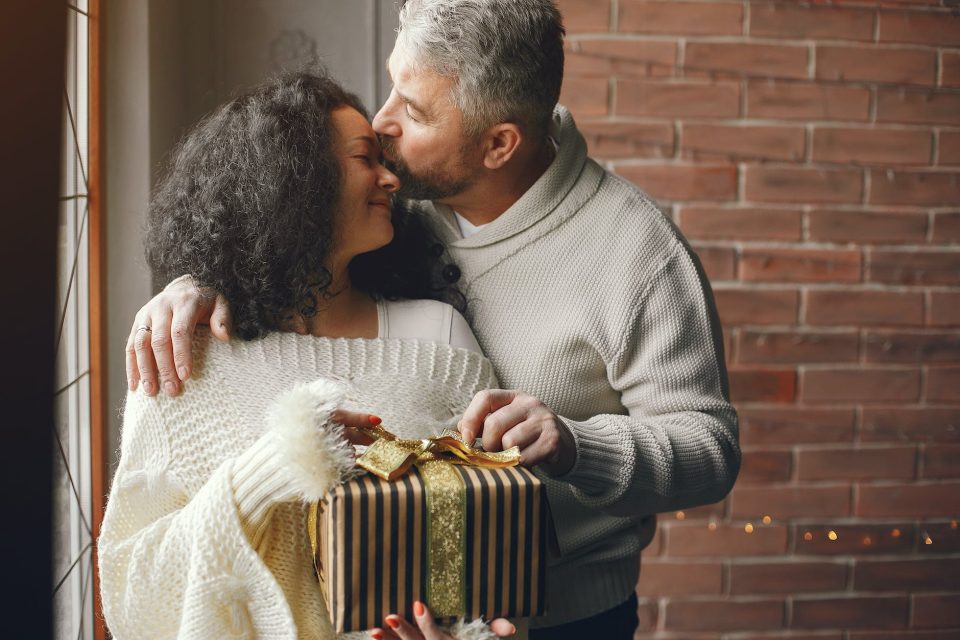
x=162 y=333
x=427 y=629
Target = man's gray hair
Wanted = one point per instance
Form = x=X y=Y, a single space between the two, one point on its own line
x=504 y=56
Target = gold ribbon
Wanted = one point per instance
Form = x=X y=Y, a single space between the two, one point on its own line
x=389 y=457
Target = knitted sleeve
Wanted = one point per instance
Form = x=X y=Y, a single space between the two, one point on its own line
x=178 y=561
x=678 y=445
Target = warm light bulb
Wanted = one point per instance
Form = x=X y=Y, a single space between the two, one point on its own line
x=926 y=538
x=767 y=519
x=895 y=533
x=953 y=524
x=748 y=527
x=867 y=541
x=808 y=536
x=712 y=526
x=681 y=515
x=832 y=535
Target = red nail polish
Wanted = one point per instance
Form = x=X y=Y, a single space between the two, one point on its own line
x=374 y=420
x=393 y=622
x=418 y=609
x=376 y=634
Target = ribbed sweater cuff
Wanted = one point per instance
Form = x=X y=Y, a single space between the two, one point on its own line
x=599 y=457
x=258 y=485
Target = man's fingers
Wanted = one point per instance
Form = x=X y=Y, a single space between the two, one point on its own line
x=145 y=364
x=162 y=345
x=220 y=319
x=483 y=404
x=503 y=627
x=182 y=328
x=133 y=373
x=499 y=424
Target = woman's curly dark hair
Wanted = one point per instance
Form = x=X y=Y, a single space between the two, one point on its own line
x=247 y=206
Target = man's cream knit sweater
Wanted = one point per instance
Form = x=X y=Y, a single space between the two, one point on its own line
x=205 y=531
x=584 y=295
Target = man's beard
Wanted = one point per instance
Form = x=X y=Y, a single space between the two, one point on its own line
x=433 y=185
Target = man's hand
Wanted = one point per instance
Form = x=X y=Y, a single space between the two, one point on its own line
x=159 y=342
x=503 y=419
x=399 y=629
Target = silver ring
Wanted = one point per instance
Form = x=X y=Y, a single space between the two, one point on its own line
x=147 y=329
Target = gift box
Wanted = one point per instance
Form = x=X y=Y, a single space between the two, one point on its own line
x=467 y=540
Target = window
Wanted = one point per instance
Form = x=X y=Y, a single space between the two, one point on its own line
x=78 y=476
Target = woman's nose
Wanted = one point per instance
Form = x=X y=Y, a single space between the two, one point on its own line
x=387 y=180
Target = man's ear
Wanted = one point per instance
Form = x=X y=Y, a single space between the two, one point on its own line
x=500 y=143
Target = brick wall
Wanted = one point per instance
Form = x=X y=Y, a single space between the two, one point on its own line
x=811 y=153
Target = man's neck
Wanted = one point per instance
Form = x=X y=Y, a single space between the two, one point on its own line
x=496 y=191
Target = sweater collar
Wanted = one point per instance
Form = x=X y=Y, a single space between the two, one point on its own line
x=546 y=194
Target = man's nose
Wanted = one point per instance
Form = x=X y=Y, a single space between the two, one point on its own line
x=384 y=123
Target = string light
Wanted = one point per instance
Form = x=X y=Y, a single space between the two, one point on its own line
x=895 y=533
x=712 y=526
x=832 y=535
x=681 y=515
x=867 y=541
x=748 y=527
x=807 y=536
x=926 y=538
x=953 y=524
x=767 y=519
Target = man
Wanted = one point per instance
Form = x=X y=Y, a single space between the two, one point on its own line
x=595 y=313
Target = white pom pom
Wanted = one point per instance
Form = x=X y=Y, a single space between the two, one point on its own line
x=318 y=456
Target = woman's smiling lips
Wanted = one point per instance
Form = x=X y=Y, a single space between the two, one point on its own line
x=381 y=202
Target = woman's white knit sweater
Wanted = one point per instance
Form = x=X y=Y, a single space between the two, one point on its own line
x=205 y=531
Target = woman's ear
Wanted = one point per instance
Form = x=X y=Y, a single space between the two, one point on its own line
x=500 y=143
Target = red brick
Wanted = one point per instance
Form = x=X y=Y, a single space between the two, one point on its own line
x=628 y=139
x=658 y=578
x=585 y=15
x=936 y=611
x=795 y=184
x=863 y=307
x=941 y=461
x=750 y=142
x=944 y=308
x=762 y=385
x=585 y=97
x=740 y=223
x=795 y=426
x=683 y=181
x=950 y=69
x=764 y=467
x=800 y=265
x=912 y=634
x=724 y=540
x=943 y=384
x=807 y=101
x=916 y=424
x=757 y=306
x=860 y=385
x=867 y=227
x=918 y=107
x=949 y=152
x=872 y=146
x=914 y=267
x=944 y=537
x=678 y=98
x=941 y=499
x=920 y=28
x=810 y=22
x=621 y=58
x=647 y=614
x=853 y=539
x=874 y=463
x=681 y=18
x=747 y=59
x=877 y=64
x=885 y=346
x=914 y=187
x=797 y=346
x=719 y=263
x=946 y=228
x=786 y=577
x=907 y=575
x=785 y=502
x=855 y=612
x=723 y=615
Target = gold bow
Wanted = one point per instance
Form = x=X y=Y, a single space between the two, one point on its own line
x=389 y=457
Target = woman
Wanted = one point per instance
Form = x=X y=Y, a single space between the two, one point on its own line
x=279 y=201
